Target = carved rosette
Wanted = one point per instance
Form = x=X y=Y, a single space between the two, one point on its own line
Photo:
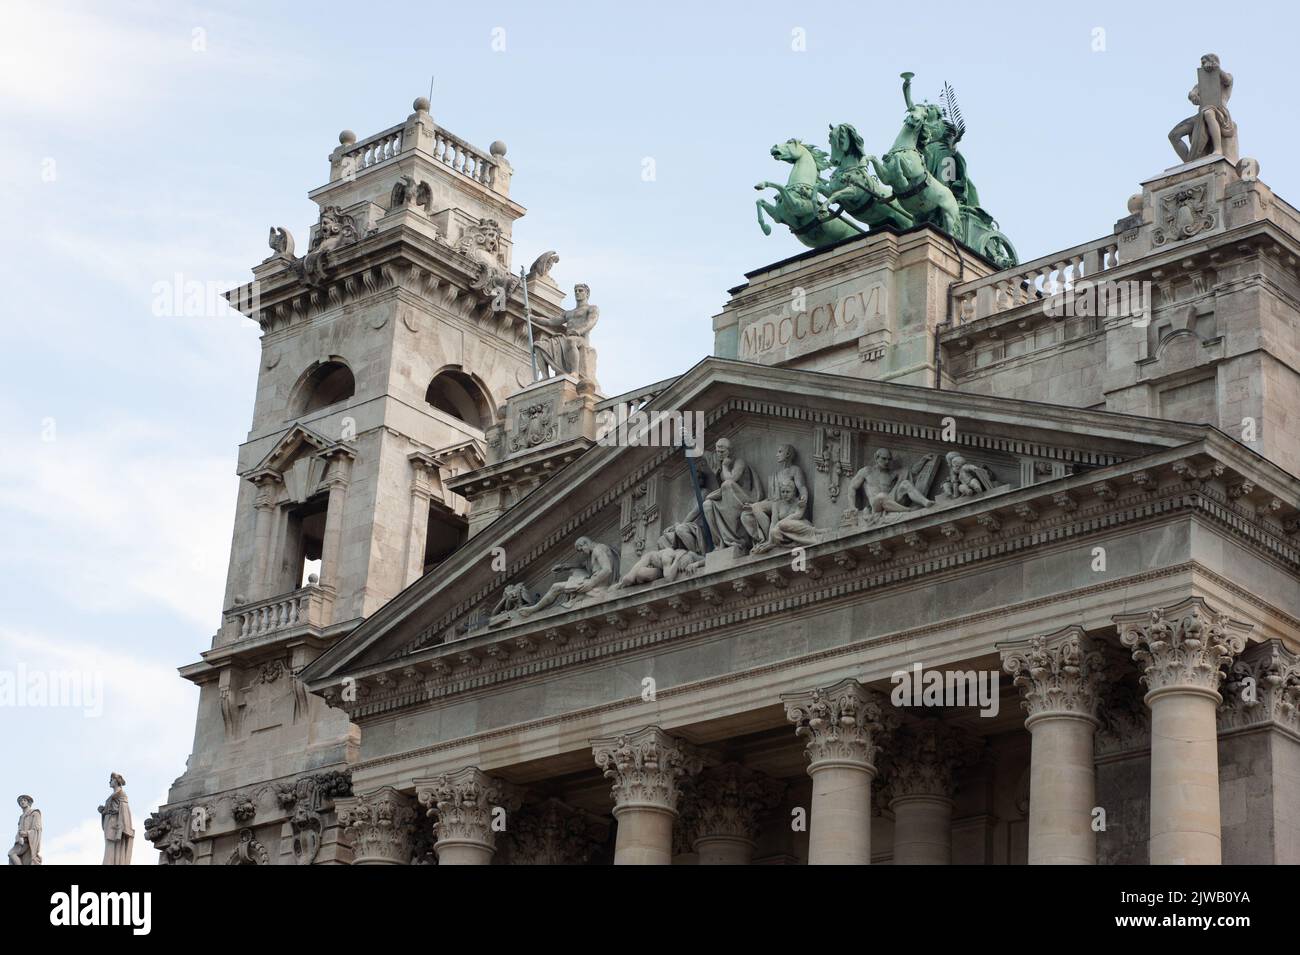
x=464 y=803
x=924 y=757
x=1186 y=647
x=841 y=724
x=727 y=802
x=646 y=768
x=554 y=833
x=1058 y=674
x=1263 y=687
x=380 y=825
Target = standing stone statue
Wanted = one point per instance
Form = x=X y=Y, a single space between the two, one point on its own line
x=570 y=352
x=1211 y=132
x=27 y=843
x=118 y=831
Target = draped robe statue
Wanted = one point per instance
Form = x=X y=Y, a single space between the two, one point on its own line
x=27 y=842
x=118 y=831
x=757 y=517
x=724 y=505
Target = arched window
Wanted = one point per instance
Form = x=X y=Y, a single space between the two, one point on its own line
x=328 y=383
x=457 y=394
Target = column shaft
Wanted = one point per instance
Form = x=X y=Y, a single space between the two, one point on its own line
x=922 y=830
x=1062 y=791
x=1184 y=780
x=839 y=824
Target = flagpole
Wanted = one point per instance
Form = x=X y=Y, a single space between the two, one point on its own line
x=528 y=317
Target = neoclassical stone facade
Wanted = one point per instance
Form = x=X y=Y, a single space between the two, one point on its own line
x=959 y=574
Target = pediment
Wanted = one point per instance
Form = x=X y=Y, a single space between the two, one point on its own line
x=936 y=454
x=298 y=441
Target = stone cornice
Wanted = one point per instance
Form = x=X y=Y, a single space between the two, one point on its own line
x=752 y=589
x=846 y=654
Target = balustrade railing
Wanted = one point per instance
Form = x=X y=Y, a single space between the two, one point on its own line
x=1034 y=281
x=305 y=606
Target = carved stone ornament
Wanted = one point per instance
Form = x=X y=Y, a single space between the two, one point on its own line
x=335 y=230
x=925 y=754
x=535 y=425
x=304 y=801
x=1263 y=687
x=481 y=244
x=1057 y=674
x=380 y=825
x=553 y=833
x=249 y=851
x=411 y=194
x=1184 y=214
x=1184 y=647
x=646 y=768
x=840 y=724
x=464 y=804
x=728 y=801
x=170 y=831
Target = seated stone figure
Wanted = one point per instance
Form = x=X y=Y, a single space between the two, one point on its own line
x=589 y=576
x=757 y=517
x=663 y=564
x=789 y=523
x=965 y=479
x=885 y=491
x=724 y=504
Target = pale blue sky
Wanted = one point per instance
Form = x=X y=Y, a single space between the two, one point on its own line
x=130 y=157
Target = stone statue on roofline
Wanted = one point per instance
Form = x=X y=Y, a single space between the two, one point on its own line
x=1211 y=132
x=27 y=842
x=119 y=833
x=590 y=574
x=567 y=350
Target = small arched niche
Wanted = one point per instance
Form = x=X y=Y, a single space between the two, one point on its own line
x=327 y=383
x=455 y=393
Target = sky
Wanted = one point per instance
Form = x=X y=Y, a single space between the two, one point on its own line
x=148 y=145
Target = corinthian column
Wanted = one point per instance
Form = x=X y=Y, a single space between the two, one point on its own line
x=841 y=725
x=337 y=479
x=1058 y=675
x=921 y=791
x=721 y=811
x=380 y=825
x=470 y=808
x=646 y=768
x=1183 y=651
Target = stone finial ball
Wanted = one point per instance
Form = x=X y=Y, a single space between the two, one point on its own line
x=347 y=137
x=1135 y=204
x=498 y=149
x=421 y=104
x=313 y=579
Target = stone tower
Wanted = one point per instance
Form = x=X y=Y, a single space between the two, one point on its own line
x=389 y=347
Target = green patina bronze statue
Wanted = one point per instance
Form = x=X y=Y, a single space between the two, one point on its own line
x=854 y=188
x=921 y=180
x=797 y=202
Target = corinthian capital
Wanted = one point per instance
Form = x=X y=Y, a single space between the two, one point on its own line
x=464 y=803
x=380 y=825
x=1058 y=674
x=728 y=801
x=924 y=757
x=1183 y=647
x=646 y=768
x=1263 y=687
x=842 y=723
x=553 y=833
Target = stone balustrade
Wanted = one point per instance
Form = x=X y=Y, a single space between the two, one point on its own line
x=1034 y=281
x=307 y=606
x=353 y=157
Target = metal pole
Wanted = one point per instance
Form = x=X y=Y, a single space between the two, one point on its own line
x=528 y=317
x=699 y=499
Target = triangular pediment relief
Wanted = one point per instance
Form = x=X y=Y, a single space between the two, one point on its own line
x=298 y=462
x=878 y=469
